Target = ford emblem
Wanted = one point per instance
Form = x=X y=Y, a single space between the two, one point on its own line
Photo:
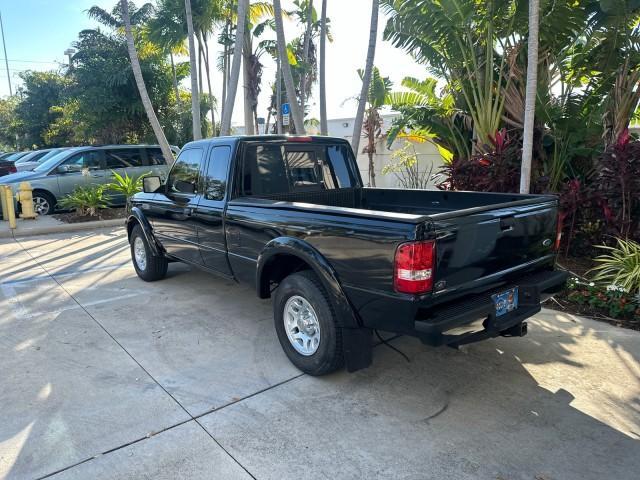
x=546 y=242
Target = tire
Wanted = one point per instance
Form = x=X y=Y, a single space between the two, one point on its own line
x=148 y=266
x=314 y=358
x=43 y=202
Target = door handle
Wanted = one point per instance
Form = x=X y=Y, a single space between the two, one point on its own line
x=506 y=225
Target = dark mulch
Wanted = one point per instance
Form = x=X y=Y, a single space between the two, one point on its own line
x=105 y=214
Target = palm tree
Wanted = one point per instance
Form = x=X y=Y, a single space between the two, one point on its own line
x=296 y=111
x=144 y=95
x=195 y=92
x=366 y=78
x=305 y=52
x=376 y=98
x=530 y=99
x=232 y=89
x=324 y=129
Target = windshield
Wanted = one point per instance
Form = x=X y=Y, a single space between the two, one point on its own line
x=15 y=156
x=51 y=162
x=50 y=154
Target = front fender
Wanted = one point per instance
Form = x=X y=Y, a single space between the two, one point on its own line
x=319 y=264
x=138 y=217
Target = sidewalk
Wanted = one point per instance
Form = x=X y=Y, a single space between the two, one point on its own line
x=47 y=224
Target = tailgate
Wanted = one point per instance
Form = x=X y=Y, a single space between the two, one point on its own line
x=479 y=246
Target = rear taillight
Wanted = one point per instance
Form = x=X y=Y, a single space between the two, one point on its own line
x=559 y=227
x=415 y=267
x=13 y=169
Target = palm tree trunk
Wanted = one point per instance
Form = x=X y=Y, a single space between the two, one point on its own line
x=224 y=72
x=142 y=88
x=247 y=50
x=305 y=56
x=530 y=97
x=176 y=90
x=243 y=8
x=296 y=111
x=279 y=96
x=324 y=129
x=366 y=78
x=195 y=93
x=202 y=38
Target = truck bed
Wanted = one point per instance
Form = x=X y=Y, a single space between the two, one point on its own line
x=411 y=204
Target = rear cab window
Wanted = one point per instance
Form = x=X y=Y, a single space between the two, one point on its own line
x=286 y=167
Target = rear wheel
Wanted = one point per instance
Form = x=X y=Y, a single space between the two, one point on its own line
x=43 y=202
x=306 y=324
x=149 y=267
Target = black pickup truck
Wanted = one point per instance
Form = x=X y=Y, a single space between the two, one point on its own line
x=290 y=215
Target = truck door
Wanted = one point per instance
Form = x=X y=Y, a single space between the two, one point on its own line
x=209 y=214
x=171 y=212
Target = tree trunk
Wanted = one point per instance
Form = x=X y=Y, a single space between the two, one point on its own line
x=247 y=51
x=279 y=128
x=324 y=129
x=296 y=112
x=195 y=93
x=176 y=90
x=225 y=127
x=224 y=72
x=305 y=56
x=144 y=95
x=205 y=56
x=530 y=97
x=366 y=79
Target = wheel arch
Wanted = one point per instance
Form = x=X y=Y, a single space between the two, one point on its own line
x=283 y=256
x=136 y=217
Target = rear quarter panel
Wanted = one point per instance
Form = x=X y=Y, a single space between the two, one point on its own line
x=361 y=251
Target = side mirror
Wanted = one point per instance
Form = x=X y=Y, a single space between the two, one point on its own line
x=151 y=184
x=63 y=169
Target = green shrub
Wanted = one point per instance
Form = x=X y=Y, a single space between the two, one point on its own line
x=621 y=266
x=86 y=200
x=614 y=300
x=126 y=185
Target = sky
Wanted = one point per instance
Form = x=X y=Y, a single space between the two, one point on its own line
x=37 y=32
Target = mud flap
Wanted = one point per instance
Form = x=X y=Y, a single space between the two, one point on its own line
x=358 y=348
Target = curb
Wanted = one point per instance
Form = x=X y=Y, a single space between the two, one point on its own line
x=63 y=228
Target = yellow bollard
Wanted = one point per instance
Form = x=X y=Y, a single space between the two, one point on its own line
x=11 y=212
x=25 y=197
x=5 y=212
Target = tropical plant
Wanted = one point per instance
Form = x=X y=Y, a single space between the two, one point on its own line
x=142 y=88
x=366 y=79
x=86 y=200
x=379 y=89
x=126 y=185
x=617 y=185
x=612 y=300
x=406 y=168
x=620 y=266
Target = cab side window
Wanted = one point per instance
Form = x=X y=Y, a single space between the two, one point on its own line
x=185 y=174
x=215 y=180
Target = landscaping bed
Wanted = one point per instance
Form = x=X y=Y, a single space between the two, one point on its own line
x=102 y=214
x=584 y=297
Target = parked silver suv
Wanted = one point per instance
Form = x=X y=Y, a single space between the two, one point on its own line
x=58 y=176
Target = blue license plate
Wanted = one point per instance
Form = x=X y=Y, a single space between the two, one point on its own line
x=506 y=302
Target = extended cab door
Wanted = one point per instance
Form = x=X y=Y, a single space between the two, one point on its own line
x=172 y=211
x=209 y=213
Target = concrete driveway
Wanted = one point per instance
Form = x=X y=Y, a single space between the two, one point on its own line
x=105 y=376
